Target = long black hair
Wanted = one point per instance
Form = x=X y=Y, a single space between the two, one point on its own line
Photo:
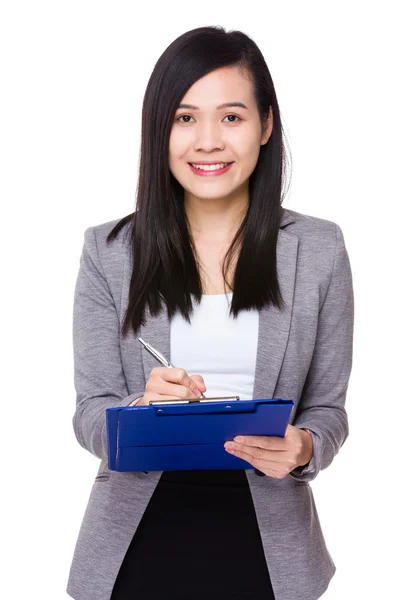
x=165 y=265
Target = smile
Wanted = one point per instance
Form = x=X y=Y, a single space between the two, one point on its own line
x=207 y=170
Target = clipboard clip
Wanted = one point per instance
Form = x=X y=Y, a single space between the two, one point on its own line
x=195 y=400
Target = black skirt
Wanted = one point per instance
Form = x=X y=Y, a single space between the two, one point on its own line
x=198 y=539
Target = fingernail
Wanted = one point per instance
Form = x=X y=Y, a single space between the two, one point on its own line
x=197 y=392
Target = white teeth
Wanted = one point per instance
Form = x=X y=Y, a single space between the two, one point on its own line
x=210 y=167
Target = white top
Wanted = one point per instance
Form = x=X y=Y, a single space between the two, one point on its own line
x=221 y=349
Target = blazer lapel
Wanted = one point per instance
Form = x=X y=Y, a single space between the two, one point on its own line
x=274 y=324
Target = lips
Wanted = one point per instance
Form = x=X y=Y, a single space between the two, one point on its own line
x=210 y=172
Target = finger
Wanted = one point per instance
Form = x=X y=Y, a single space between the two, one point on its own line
x=264 y=464
x=266 y=442
x=257 y=453
x=180 y=391
x=187 y=386
x=161 y=397
x=159 y=385
x=188 y=382
x=199 y=381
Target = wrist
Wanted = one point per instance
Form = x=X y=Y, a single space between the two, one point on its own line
x=307 y=450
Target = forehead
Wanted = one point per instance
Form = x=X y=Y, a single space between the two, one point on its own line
x=220 y=86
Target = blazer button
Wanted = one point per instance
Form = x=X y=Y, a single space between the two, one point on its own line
x=259 y=473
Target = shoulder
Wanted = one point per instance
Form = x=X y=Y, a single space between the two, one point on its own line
x=96 y=236
x=320 y=242
x=101 y=231
x=108 y=256
x=312 y=232
x=308 y=227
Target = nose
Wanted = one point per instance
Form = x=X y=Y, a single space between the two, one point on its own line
x=208 y=137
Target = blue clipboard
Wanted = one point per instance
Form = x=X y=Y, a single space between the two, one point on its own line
x=169 y=436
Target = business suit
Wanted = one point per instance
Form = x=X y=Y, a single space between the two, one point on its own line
x=304 y=354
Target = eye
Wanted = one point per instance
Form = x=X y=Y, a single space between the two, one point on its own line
x=236 y=117
x=189 y=116
x=182 y=117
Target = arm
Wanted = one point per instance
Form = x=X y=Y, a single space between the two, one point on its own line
x=98 y=374
x=321 y=408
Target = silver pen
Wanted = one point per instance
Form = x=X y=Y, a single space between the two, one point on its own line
x=163 y=361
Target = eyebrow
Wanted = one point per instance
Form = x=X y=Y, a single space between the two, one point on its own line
x=225 y=105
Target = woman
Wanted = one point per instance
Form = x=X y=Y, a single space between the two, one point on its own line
x=244 y=297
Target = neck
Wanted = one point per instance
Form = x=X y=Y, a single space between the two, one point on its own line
x=215 y=218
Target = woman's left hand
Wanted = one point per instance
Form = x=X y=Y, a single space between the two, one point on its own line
x=272 y=455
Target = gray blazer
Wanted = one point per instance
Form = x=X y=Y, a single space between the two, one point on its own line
x=304 y=354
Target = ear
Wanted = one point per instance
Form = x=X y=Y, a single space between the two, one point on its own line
x=268 y=127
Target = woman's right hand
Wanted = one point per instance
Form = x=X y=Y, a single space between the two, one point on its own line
x=171 y=383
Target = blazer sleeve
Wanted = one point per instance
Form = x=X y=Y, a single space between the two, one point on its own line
x=99 y=378
x=321 y=409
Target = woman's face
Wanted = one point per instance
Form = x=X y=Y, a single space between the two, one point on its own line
x=208 y=134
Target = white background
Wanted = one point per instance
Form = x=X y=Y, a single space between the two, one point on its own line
x=73 y=76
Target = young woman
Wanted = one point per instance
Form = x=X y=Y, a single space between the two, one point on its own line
x=244 y=297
